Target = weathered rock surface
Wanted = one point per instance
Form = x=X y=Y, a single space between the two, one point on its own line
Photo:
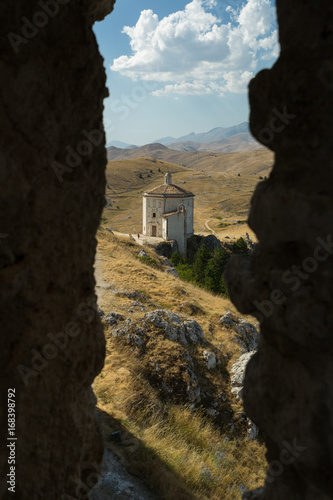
x=169 y=346
x=246 y=335
x=238 y=373
x=288 y=280
x=172 y=272
x=166 y=248
x=210 y=359
x=176 y=326
x=52 y=177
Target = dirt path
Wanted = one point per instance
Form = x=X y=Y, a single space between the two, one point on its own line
x=142 y=240
x=208 y=227
x=115 y=482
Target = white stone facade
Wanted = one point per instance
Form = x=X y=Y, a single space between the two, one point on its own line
x=168 y=213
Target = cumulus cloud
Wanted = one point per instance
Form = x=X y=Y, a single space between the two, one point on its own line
x=202 y=49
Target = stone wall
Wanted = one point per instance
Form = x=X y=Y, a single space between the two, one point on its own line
x=52 y=163
x=288 y=281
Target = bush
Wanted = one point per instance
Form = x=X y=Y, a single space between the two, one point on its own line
x=149 y=261
x=175 y=258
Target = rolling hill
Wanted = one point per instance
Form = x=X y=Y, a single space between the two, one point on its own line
x=247 y=162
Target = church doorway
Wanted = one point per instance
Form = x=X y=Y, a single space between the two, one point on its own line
x=153 y=231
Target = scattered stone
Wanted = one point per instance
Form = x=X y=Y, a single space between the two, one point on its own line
x=190 y=308
x=100 y=312
x=130 y=332
x=210 y=359
x=135 y=294
x=143 y=253
x=112 y=317
x=172 y=272
x=252 y=430
x=167 y=262
x=135 y=303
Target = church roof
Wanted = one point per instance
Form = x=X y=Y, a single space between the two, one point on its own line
x=168 y=190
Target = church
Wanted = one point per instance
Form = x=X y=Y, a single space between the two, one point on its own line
x=168 y=213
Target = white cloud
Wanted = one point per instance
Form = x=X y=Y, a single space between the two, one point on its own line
x=193 y=52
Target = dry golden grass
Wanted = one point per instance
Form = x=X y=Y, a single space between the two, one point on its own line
x=254 y=162
x=179 y=452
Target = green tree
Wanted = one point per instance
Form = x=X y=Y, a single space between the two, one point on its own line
x=214 y=269
x=223 y=287
x=199 y=266
x=240 y=247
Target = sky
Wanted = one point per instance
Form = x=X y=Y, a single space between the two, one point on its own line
x=180 y=66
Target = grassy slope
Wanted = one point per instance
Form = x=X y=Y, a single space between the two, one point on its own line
x=180 y=453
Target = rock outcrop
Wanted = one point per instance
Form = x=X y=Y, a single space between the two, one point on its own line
x=52 y=177
x=172 y=356
x=238 y=373
x=288 y=281
x=246 y=335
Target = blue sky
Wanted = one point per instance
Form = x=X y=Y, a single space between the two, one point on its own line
x=175 y=67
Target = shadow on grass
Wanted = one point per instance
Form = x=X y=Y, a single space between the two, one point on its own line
x=141 y=461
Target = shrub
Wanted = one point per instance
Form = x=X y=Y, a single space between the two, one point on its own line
x=175 y=258
x=149 y=261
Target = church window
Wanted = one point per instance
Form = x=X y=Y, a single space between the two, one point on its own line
x=154 y=215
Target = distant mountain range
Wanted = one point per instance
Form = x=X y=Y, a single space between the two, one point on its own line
x=121 y=145
x=216 y=134
x=236 y=139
